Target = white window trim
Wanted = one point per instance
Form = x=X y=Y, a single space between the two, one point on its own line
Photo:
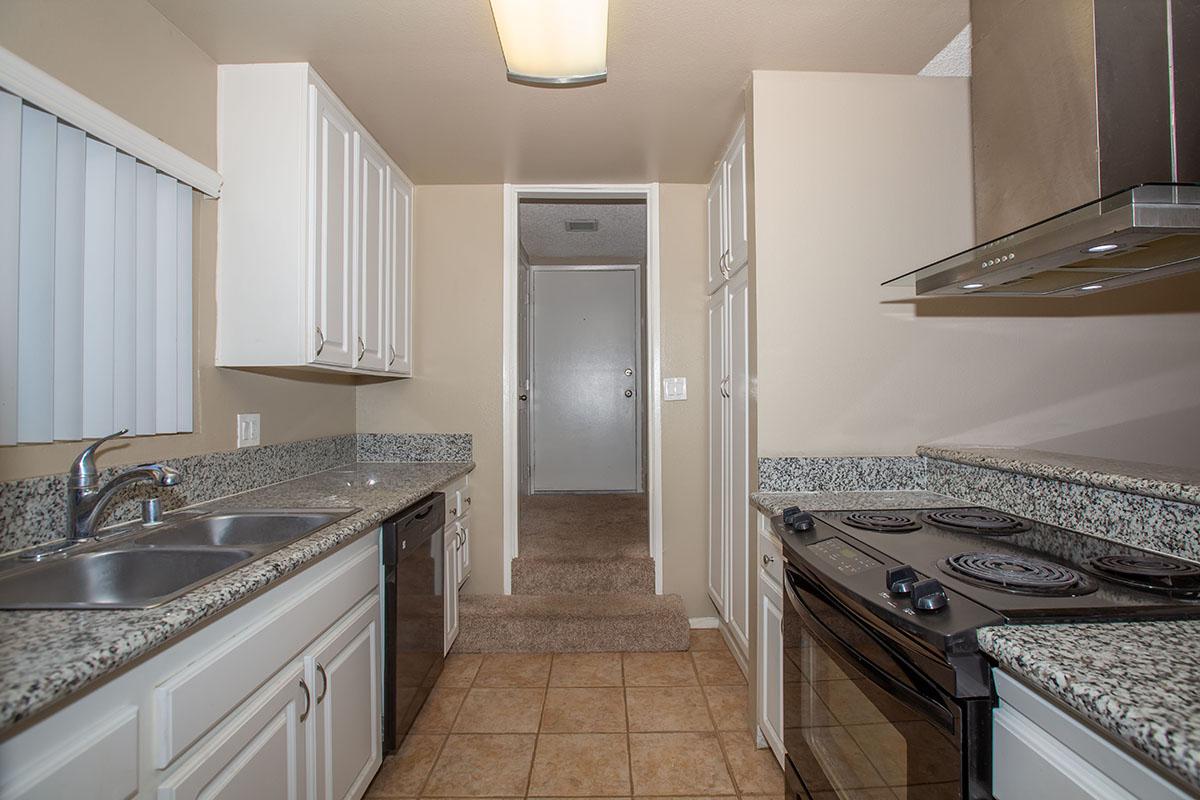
x=55 y=97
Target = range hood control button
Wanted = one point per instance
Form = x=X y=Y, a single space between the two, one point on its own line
x=900 y=579
x=928 y=595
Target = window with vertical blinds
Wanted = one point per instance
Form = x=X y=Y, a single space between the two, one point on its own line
x=95 y=286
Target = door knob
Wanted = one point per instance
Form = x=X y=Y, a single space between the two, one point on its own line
x=629 y=392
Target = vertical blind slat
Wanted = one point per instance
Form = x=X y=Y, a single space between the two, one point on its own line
x=125 y=295
x=147 y=294
x=166 y=307
x=99 y=229
x=183 y=320
x=35 y=320
x=10 y=225
x=68 y=284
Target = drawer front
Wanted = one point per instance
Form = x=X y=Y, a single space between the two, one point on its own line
x=102 y=763
x=190 y=703
x=458 y=499
x=770 y=557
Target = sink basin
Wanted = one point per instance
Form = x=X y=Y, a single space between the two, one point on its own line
x=137 y=566
x=253 y=529
x=132 y=578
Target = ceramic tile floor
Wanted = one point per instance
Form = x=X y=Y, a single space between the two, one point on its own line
x=585 y=725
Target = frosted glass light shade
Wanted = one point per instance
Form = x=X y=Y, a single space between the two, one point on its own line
x=553 y=42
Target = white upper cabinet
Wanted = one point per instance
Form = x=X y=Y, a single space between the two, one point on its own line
x=314 y=247
x=728 y=215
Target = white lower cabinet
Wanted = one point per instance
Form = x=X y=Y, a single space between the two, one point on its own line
x=450 y=589
x=769 y=688
x=279 y=698
x=1041 y=750
x=343 y=671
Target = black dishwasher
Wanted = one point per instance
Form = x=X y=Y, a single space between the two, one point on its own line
x=414 y=613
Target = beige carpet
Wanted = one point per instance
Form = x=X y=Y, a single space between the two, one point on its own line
x=584 y=582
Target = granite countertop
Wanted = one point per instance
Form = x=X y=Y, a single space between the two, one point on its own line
x=772 y=503
x=1138 y=680
x=1152 y=480
x=45 y=656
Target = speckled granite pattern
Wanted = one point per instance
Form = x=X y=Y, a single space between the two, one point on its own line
x=47 y=655
x=1139 y=680
x=32 y=511
x=1135 y=519
x=840 y=474
x=1151 y=480
x=394 y=447
x=775 y=502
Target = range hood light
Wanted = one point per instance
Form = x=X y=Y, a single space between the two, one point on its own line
x=553 y=42
x=972 y=286
x=1103 y=248
x=1091 y=287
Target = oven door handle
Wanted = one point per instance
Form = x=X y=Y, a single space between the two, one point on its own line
x=933 y=708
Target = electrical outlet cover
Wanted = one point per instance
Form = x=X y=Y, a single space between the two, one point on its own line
x=249 y=430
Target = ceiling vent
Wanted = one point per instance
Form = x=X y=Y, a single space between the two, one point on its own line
x=582 y=225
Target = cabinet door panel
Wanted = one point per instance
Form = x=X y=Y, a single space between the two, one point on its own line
x=399 y=275
x=261 y=753
x=718 y=452
x=331 y=233
x=716 y=230
x=450 y=588
x=740 y=530
x=372 y=257
x=739 y=220
x=344 y=674
x=770 y=664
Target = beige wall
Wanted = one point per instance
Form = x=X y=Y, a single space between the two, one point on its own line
x=457 y=320
x=859 y=178
x=124 y=55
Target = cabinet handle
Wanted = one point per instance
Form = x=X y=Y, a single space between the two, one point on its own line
x=767 y=561
x=362 y=348
x=307 y=700
x=321 y=337
x=392 y=350
x=324 y=684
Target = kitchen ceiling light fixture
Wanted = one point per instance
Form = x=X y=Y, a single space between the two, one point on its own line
x=1091 y=287
x=1103 y=248
x=553 y=42
x=972 y=286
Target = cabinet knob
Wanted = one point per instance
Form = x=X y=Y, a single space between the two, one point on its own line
x=768 y=560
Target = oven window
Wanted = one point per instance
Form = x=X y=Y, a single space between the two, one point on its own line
x=847 y=738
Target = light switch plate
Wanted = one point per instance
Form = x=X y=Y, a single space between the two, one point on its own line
x=674 y=388
x=249 y=430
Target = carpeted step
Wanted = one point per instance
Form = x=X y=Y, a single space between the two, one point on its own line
x=562 y=623
x=582 y=576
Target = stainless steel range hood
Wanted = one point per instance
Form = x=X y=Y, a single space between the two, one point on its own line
x=1075 y=100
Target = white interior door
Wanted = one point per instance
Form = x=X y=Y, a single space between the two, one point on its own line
x=584 y=398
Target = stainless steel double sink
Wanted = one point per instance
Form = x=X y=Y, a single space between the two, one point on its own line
x=141 y=566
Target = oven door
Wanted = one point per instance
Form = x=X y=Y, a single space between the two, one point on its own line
x=860 y=719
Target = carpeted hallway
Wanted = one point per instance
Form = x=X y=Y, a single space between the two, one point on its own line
x=584 y=581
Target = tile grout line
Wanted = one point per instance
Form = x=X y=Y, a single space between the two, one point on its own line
x=716 y=731
x=628 y=727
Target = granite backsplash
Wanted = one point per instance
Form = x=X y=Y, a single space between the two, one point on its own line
x=33 y=510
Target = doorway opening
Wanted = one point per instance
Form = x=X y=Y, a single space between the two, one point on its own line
x=582 y=512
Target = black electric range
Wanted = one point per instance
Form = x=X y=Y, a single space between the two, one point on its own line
x=881 y=614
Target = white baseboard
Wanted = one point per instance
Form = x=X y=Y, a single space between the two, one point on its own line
x=703 y=622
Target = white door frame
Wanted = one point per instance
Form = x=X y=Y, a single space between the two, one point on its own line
x=513 y=194
x=638 y=344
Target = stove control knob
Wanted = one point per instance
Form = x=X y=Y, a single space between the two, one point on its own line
x=900 y=579
x=797 y=520
x=928 y=595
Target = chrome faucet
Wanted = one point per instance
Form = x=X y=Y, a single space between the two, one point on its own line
x=86 y=499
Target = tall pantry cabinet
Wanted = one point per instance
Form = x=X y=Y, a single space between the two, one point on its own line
x=729 y=526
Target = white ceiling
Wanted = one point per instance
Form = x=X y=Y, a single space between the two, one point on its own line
x=621 y=234
x=427 y=76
